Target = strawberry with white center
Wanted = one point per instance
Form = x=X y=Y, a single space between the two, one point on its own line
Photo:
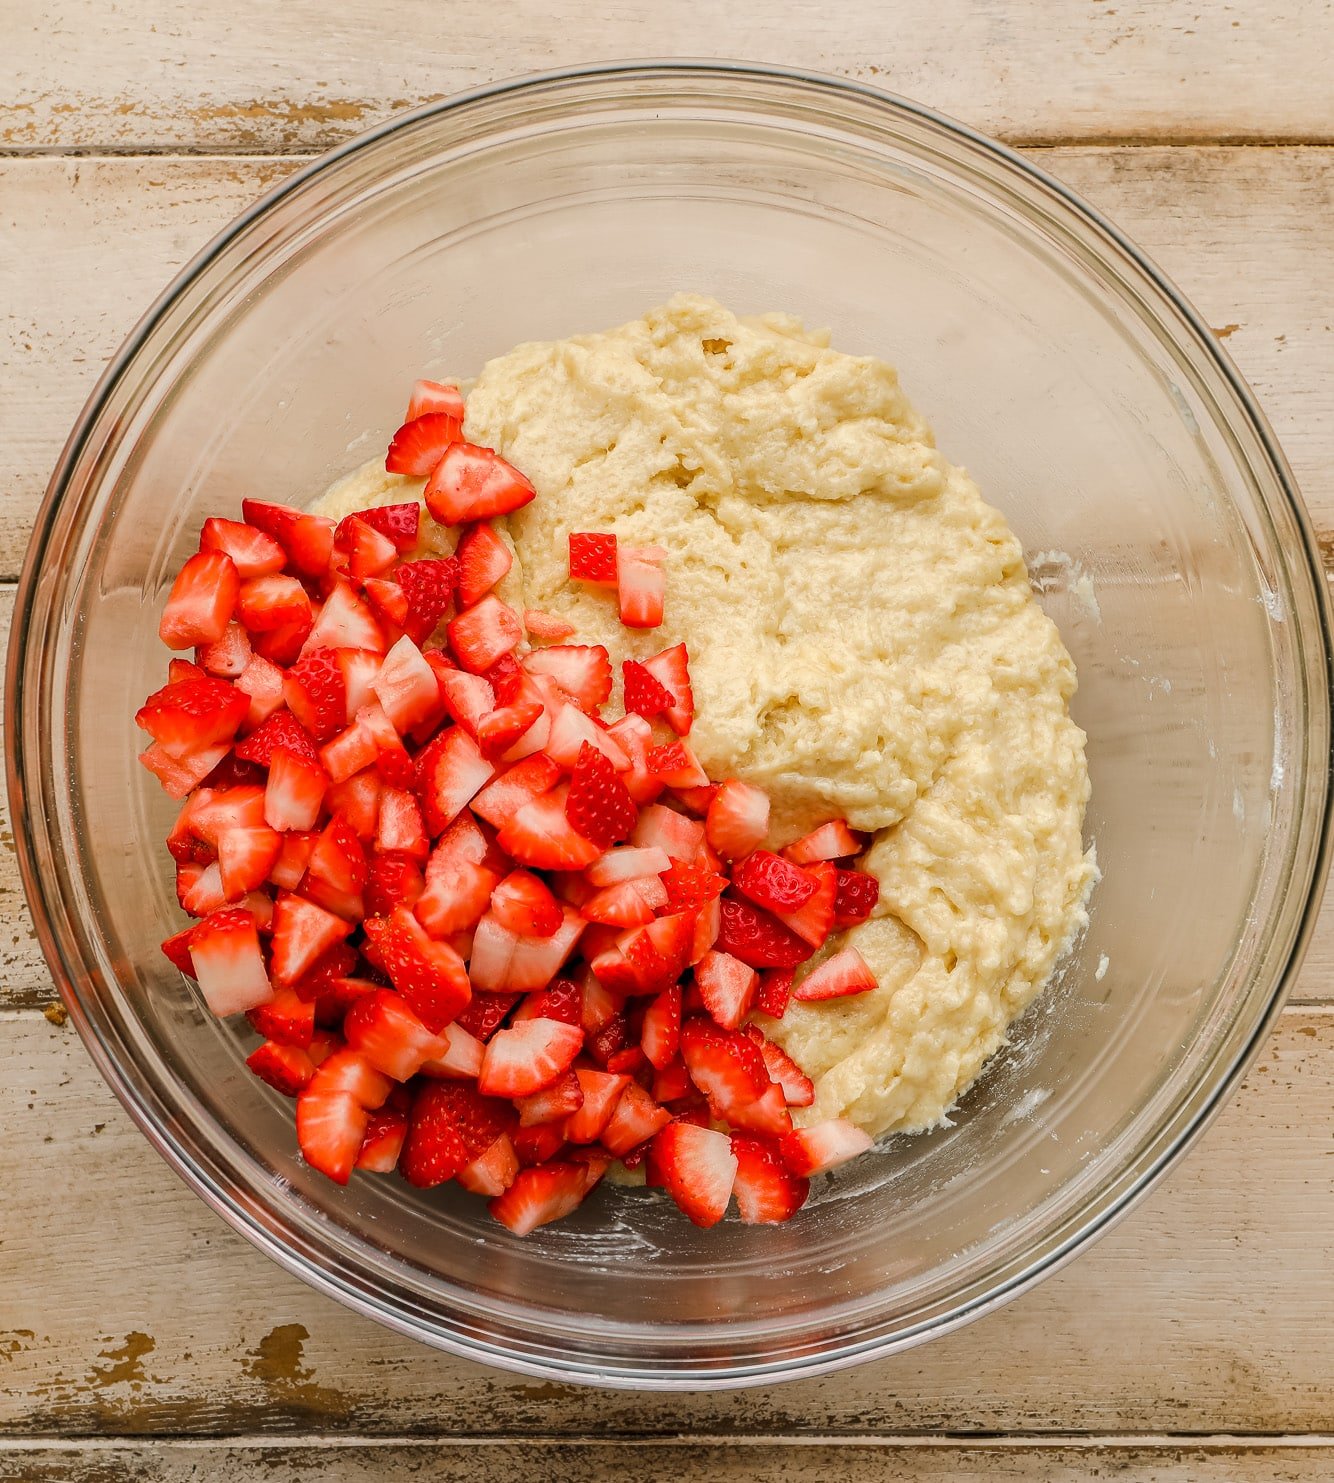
x=435 y=396
x=228 y=964
x=483 y=560
x=399 y=523
x=307 y=539
x=539 y=1195
x=698 y=1167
x=482 y=634
x=738 y=819
x=202 y=601
x=472 y=483
x=727 y=987
x=823 y=1146
x=252 y=553
x=671 y=670
x=641 y=585
x=767 y=1191
x=583 y=671
x=844 y=974
x=528 y=1056
x=419 y=445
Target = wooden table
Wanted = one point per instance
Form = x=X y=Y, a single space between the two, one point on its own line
x=139 y=1338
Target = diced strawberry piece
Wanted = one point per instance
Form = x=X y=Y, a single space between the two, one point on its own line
x=698 y=1168
x=450 y=772
x=571 y=730
x=675 y=765
x=491 y=1173
x=252 y=552
x=479 y=635
x=245 y=857
x=599 y=1092
x=307 y=539
x=178 y=775
x=262 y=682
x=593 y=558
x=672 y=1083
x=434 y=396
x=798 y=1089
x=727 y=987
x=176 y=949
x=429 y=586
x=294 y=793
x=618 y=906
x=644 y=695
x=822 y=1146
x=234 y=772
x=528 y=1056
x=634 y=736
x=553 y=1103
x=672 y=671
x=330 y=968
x=287 y=1018
x=400 y=829
x=539 y=1195
x=546 y=626
x=485 y=1013
x=523 y=905
x=456 y=896
x=330 y=1129
x=286 y=1068
x=266 y=604
x=281 y=729
x=772 y=882
x=338 y=858
x=502 y=798
x=388 y=602
x=708 y=925
x=661 y=1033
x=201 y=602
x=419 y=445
x=738 y=820
x=766 y=1190
x=468 y=698
x=767 y=1114
x=430 y=975
x=832 y=841
x=855 y=897
x=214 y=811
x=383 y=1141
x=368 y=552
x=598 y=1005
x=350 y=905
x=774 y=992
x=813 y=921
x=382 y=1028
x=838 y=977
x=406 y=686
x=192 y=716
x=663 y=827
x=540 y=835
x=562 y=1000
x=598 y=805
x=472 y=483
x=583 y=671
x=316 y=694
x=610 y=1041
x=302 y=931
x=758 y=938
x=635 y=1119
x=726 y=1066
x=500 y=732
x=227 y=657
x=436 y=1147
x=199 y=888
x=228 y=963
x=503 y=960
x=628 y=863
x=391 y=880
x=461 y=1059
x=483 y=560
x=182 y=669
x=350 y=752
x=691 y=884
x=641 y=587
x=345 y=621
x=358 y=800
x=696 y=801
x=399 y=522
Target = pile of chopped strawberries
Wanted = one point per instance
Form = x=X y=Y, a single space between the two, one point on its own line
x=487 y=933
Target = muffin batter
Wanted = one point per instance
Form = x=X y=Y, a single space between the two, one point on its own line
x=863 y=643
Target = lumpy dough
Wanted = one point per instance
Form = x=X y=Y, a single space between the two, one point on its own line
x=863 y=643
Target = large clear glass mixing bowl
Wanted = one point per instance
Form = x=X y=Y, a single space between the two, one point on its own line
x=1096 y=411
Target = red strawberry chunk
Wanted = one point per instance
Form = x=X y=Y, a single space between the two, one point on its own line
x=302 y=931
x=368 y=551
x=469 y=699
x=644 y=695
x=483 y=560
x=307 y=539
x=345 y=621
x=738 y=819
x=583 y=671
x=571 y=729
x=598 y=805
x=262 y=681
x=502 y=798
x=542 y=836
x=228 y=963
x=391 y=880
x=823 y=1146
x=542 y=1194
x=514 y=731
x=491 y=1173
x=228 y=656
x=434 y=396
x=593 y=558
x=618 y=906
x=382 y=1028
x=506 y=961
x=691 y=885
x=399 y=522
x=287 y=1018
x=758 y=938
x=419 y=445
x=523 y=905
x=561 y=1000
x=481 y=634
x=772 y=882
x=338 y=858
x=191 y=716
x=450 y=773
x=430 y=975
x=553 y=1103
x=766 y=1190
x=316 y=694
x=676 y=766
x=641 y=588
x=767 y=1114
x=528 y=1056
x=629 y=863
x=727 y=987
x=661 y=1033
x=400 y=829
x=698 y=1168
x=485 y=1013
x=547 y=626
x=472 y=483
x=294 y=793
x=429 y=587
x=388 y=602
x=286 y=1068
x=798 y=1088
x=832 y=841
x=360 y=668
x=386 y=1131
x=774 y=992
x=599 y=1092
x=178 y=775
x=252 y=552
x=281 y=729
x=813 y=921
x=358 y=800
x=672 y=1083
x=449 y=1125
x=838 y=977
x=274 y=601
x=855 y=897
x=176 y=948
x=201 y=602
x=456 y=896
x=671 y=669
x=461 y=1059
x=708 y=924
x=245 y=857
x=635 y=1119
x=726 y=1066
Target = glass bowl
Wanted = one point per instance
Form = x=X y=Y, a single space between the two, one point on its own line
x=1095 y=409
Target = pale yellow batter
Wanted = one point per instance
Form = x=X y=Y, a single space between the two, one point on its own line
x=863 y=643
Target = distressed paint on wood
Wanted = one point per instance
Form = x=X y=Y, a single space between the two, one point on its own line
x=303 y=75
x=138 y=1312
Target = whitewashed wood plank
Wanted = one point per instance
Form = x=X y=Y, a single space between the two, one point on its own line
x=131 y=1309
x=722 y=1461
x=254 y=76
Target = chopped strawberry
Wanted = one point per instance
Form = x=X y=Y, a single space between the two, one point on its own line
x=621 y=905
x=400 y=829
x=307 y=539
x=252 y=552
x=192 y=716
x=553 y=1103
x=262 y=681
x=767 y=1114
x=360 y=669
x=675 y=765
x=593 y=558
x=727 y=987
x=302 y=931
x=338 y=858
x=201 y=603
x=450 y=772
x=503 y=960
x=542 y=836
x=267 y=603
x=708 y=925
x=461 y=1059
x=644 y=695
x=855 y=897
x=429 y=586
x=635 y=1119
x=691 y=885
x=345 y=621
x=294 y=793
x=726 y=1066
x=472 y=483
x=316 y=694
x=641 y=587
x=358 y=800
x=798 y=1088
x=583 y=671
x=538 y=1195
x=234 y=772
x=382 y=1028
x=429 y=974
x=281 y=729
x=479 y=635
x=571 y=730
x=483 y=560
x=388 y=601
x=738 y=820
x=287 y=1018
x=546 y=626
x=178 y=775
x=766 y=1190
x=528 y=1056
x=391 y=880
x=330 y=1129
x=214 y=811
x=597 y=804
x=382 y=1144
x=812 y=921
x=832 y=841
x=562 y=1000
x=523 y=905
x=758 y=938
x=493 y=1171
x=485 y=1013
x=245 y=857
x=502 y=798
x=844 y=974
x=446 y=1122
x=663 y=827
x=698 y=1167
x=176 y=948
x=228 y=963
x=661 y=1034
x=199 y=888
x=696 y=801
x=626 y=864
x=501 y=733
x=350 y=905
x=420 y=443
x=228 y=656
x=399 y=522
x=671 y=669
x=367 y=551
x=775 y=990
x=469 y=699
x=286 y=1068
x=599 y=1092
x=456 y=896
x=772 y=882
x=672 y=1083
x=822 y=1146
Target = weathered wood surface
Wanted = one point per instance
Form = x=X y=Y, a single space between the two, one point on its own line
x=251 y=75
x=126 y=1307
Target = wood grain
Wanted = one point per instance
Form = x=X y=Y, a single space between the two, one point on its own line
x=255 y=76
x=891 y=1460
x=134 y=1311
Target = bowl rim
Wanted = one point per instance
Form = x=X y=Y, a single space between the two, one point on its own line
x=1094 y=1217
